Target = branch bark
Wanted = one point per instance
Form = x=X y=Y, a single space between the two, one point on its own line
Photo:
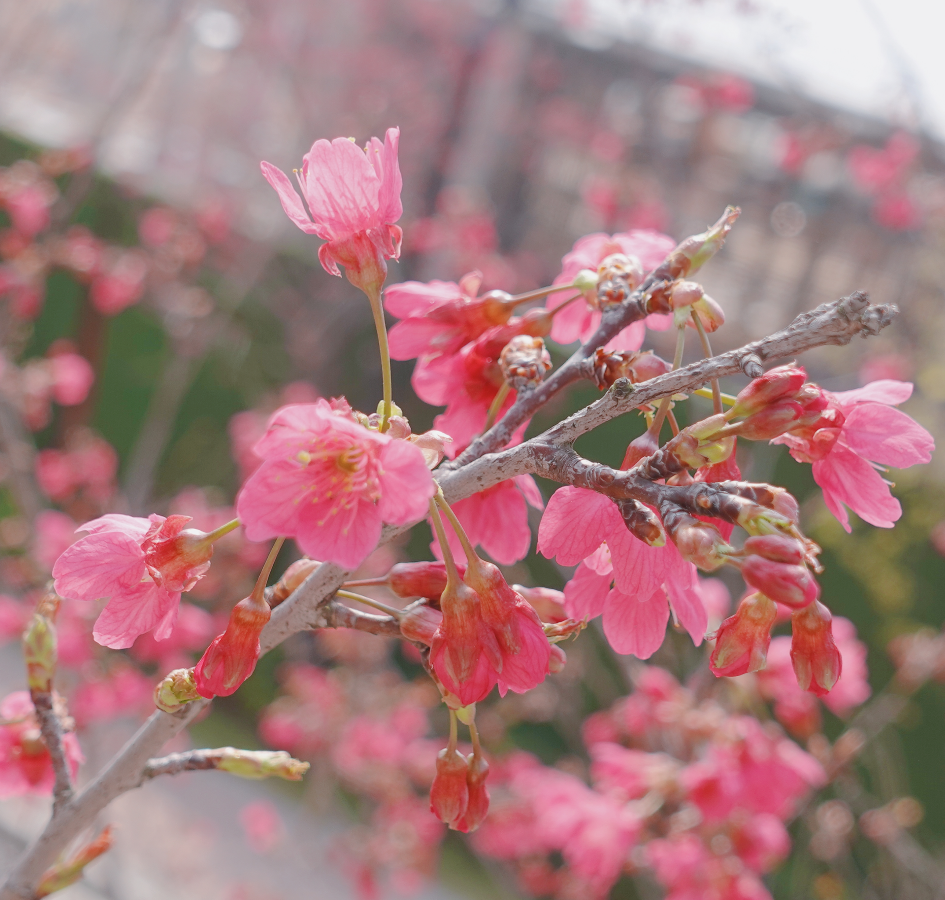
x=308 y=607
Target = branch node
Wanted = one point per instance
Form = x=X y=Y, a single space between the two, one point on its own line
x=751 y=365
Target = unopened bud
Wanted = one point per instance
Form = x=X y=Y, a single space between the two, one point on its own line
x=257 y=764
x=449 y=795
x=39 y=653
x=777 y=384
x=432 y=445
x=420 y=624
x=700 y=543
x=786 y=504
x=709 y=427
x=639 y=448
x=64 y=874
x=557 y=661
x=742 y=641
x=497 y=306
x=418 y=579
x=814 y=654
x=477 y=806
x=547 y=602
x=709 y=312
x=524 y=362
x=586 y=282
x=771 y=422
x=684 y=294
x=759 y=520
x=792 y=585
x=776 y=547
x=177 y=688
x=694 y=252
x=642 y=522
x=291 y=579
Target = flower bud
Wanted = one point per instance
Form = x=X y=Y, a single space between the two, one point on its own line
x=177 y=688
x=547 y=602
x=292 y=578
x=759 y=520
x=638 y=449
x=67 y=873
x=792 y=585
x=786 y=504
x=742 y=641
x=261 y=764
x=39 y=653
x=586 y=282
x=700 y=543
x=816 y=659
x=558 y=661
x=420 y=624
x=777 y=384
x=709 y=427
x=449 y=795
x=684 y=293
x=695 y=251
x=709 y=312
x=477 y=806
x=176 y=557
x=432 y=445
x=496 y=306
x=418 y=579
x=776 y=547
x=642 y=522
x=524 y=362
x=231 y=657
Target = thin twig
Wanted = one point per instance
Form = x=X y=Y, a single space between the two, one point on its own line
x=51 y=729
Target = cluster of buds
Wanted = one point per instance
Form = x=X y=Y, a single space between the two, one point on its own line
x=685 y=299
x=610 y=365
x=618 y=276
x=459 y=796
x=524 y=362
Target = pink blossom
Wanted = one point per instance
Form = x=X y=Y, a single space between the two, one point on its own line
x=620 y=577
x=192 y=632
x=307 y=717
x=858 y=433
x=25 y=766
x=140 y=566
x=120 y=284
x=14 y=614
x=72 y=378
x=54 y=532
x=124 y=691
x=496 y=520
x=329 y=483
x=579 y=321
x=353 y=202
x=262 y=825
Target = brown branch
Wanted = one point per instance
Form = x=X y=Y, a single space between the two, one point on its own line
x=337 y=615
x=51 y=729
x=245 y=763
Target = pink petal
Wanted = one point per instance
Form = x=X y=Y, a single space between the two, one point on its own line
x=650 y=247
x=885 y=391
x=342 y=188
x=638 y=568
x=291 y=202
x=502 y=527
x=406 y=484
x=887 y=436
x=328 y=261
x=685 y=597
x=846 y=478
x=414 y=298
x=631 y=338
x=133 y=613
x=575 y=523
x=586 y=593
x=414 y=337
x=527 y=485
x=345 y=539
x=270 y=501
x=100 y=565
x=575 y=323
x=634 y=624
x=437 y=379
x=133 y=526
x=525 y=669
x=390 y=207
x=290 y=428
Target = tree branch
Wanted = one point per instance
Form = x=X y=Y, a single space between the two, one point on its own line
x=832 y=323
x=245 y=763
x=51 y=729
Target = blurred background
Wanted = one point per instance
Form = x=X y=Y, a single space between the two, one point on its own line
x=139 y=237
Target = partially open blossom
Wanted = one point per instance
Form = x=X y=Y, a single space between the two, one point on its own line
x=353 y=199
x=231 y=657
x=477 y=806
x=742 y=641
x=449 y=795
x=814 y=653
x=25 y=764
x=140 y=566
x=858 y=430
x=776 y=384
x=329 y=482
x=420 y=624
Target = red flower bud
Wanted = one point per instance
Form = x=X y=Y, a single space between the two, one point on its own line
x=685 y=293
x=776 y=547
x=777 y=384
x=292 y=578
x=816 y=659
x=709 y=312
x=771 y=421
x=449 y=795
x=700 y=544
x=478 y=805
x=639 y=448
x=792 y=585
x=418 y=579
x=420 y=624
x=742 y=641
x=558 y=660
x=231 y=657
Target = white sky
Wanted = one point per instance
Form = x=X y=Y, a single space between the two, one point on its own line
x=881 y=57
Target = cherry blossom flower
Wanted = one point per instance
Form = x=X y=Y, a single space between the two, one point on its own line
x=620 y=577
x=25 y=764
x=329 y=482
x=140 y=566
x=353 y=199
x=579 y=321
x=858 y=433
